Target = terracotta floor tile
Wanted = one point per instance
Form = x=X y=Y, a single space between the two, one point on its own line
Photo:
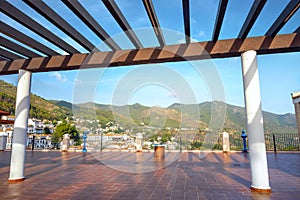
x=56 y=175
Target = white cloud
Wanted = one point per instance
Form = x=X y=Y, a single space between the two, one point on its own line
x=201 y=34
x=62 y=52
x=142 y=20
x=59 y=77
x=193 y=21
x=181 y=41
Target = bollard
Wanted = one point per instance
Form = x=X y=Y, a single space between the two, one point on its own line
x=139 y=142
x=65 y=143
x=84 y=142
x=159 y=152
x=226 y=143
x=244 y=136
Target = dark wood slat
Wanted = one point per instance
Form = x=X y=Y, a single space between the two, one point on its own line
x=219 y=19
x=254 y=12
x=154 y=21
x=297 y=30
x=171 y=53
x=284 y=17
x=17 y=48
x=28 y=22
x=9 y=55
x=82 y=14
x=17 y=35
x=121 y=20
x=47 y=12
x=186 y=20
x=3 y=59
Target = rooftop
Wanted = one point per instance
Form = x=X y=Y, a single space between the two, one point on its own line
x=295 y=95
x=218 y=175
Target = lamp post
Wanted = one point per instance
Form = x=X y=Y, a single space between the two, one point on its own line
x=84 y=142
x=244 y=136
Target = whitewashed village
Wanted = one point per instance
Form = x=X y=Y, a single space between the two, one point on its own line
x=112 y=136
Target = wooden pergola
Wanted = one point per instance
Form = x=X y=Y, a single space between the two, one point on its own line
x=23 y=54
x=24 y=58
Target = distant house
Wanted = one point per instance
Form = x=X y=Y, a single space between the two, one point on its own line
x=35 y=126
x=6 y=126
x=5 y=118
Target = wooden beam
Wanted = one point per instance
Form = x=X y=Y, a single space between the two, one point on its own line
x=17 y=48
x=172 y=53
x=254 y=12
x=154 y=21
x=34 y=26
x=9 y=55
x=21 y=37
x=121 y=20
x=83 y=14
x=219 y=19
x=186 y=20
x=47 y=12
x=284 y=17
x=3 y=59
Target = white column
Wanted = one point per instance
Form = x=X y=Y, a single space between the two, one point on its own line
x=255 y=129
x=296 y=101
x=20 y=127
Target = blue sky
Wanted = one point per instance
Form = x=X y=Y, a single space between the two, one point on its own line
x=279 y=73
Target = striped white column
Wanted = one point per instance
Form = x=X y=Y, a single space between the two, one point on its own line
x=255 y=129
x=20 y=127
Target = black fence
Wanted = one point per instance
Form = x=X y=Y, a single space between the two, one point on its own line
x=274 y=142
x=282 y=142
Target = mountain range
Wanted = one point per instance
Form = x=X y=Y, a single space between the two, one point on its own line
x=176 y=115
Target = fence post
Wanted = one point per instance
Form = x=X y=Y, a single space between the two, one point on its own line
x=274 y=142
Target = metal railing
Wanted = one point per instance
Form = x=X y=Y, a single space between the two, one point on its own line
x=274 y=142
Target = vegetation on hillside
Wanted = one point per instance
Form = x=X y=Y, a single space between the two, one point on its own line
x=136 y=115
x=39 y=107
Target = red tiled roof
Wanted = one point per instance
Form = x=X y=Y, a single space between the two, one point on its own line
x=2 y=112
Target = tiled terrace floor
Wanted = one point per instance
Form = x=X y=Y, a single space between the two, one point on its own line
x=56 y=175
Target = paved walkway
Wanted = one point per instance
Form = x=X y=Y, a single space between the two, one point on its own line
x=56 y=175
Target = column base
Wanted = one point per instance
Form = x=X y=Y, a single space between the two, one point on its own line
x=259 y=190
x=16 y=180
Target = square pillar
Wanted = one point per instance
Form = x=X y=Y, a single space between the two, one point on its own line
x=255 y=128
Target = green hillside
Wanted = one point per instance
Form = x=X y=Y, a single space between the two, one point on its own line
x=137 y=115
x=178 y=115
x=39 y=107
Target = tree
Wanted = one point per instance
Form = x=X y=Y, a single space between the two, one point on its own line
x=65 y=128
x=47 y=130
x=54 y=122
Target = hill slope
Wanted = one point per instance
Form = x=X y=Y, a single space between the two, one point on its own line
x=176 y=115
x=39 y=107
